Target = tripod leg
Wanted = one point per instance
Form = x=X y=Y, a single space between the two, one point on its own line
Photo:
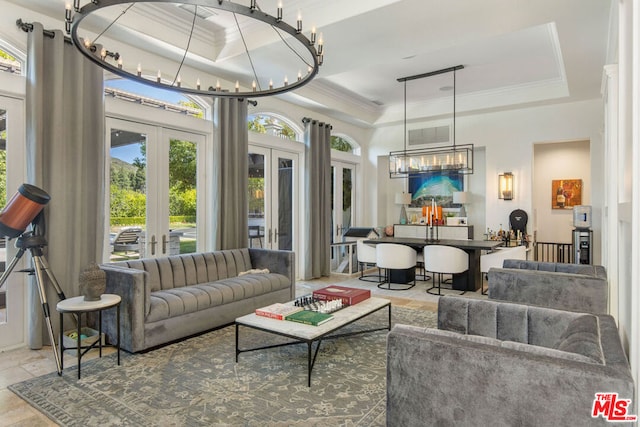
x=54 y=282
x=38 y=267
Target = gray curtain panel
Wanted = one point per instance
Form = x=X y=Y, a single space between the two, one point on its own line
x=230 y=175
x=65 y=157
x=316 y=226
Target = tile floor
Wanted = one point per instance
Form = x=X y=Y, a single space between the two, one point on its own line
x=21 y=364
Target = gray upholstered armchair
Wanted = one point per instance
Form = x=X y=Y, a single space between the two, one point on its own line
x=503 y=364
x=555 y=285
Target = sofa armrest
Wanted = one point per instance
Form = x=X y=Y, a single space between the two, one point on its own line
x=564 y=291
x=475 y=383
x=132 y=287
x=282 y=262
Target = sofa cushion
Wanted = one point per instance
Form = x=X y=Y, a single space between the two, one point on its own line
x=582 y=336
x=188 y=299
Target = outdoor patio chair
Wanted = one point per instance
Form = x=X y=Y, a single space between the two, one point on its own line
x=126 y=240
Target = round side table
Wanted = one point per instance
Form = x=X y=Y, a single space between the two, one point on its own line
x=78 y=306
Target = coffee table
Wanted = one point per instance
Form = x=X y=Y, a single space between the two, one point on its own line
x=309 y=334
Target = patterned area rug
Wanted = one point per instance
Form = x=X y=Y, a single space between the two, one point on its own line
x=196 y=382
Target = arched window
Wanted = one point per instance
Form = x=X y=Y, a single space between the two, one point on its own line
x=10 y=62
x=153 y=97
x=274 y=124
x=341 y=142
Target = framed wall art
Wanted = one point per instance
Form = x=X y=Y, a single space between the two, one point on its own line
x=566 y=193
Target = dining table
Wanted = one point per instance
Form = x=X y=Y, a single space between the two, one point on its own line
x=471 y=280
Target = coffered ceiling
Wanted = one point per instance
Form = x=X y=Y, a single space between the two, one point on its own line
x=514 y=52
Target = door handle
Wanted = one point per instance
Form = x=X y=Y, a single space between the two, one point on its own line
x=153 y=244
x=270 y=231
x=275 y=236
x=164 y=244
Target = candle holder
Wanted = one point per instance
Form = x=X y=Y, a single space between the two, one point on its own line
x=432 y=232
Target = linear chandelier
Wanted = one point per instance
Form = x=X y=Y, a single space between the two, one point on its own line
x=210 y=23
x=454 y=158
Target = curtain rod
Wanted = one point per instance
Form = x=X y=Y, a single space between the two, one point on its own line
x=28 y=27
x=309 y=120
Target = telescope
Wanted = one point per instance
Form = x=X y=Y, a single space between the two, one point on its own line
x=23 y=209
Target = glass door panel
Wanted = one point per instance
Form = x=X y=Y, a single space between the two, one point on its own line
x=272 y=198
x=183 y=192
x=257 y=200
x=342 y=214
x=284 y=232
x=342 y=199
x=128 y=191
x=12 y=155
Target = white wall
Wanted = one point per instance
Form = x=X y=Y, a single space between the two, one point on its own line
x=568 y=160
x=508 y=138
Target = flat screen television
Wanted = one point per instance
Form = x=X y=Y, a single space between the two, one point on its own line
x=439 y=186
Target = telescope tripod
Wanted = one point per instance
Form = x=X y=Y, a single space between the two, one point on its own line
x=35 y=243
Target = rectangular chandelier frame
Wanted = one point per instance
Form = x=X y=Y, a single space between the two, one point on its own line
x=456 y=158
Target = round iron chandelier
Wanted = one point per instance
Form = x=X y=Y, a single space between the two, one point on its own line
x=208 y=36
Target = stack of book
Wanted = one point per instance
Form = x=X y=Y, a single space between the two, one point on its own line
x=277 y=311
x=349 y=296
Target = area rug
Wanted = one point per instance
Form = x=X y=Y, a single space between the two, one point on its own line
x=197 y=382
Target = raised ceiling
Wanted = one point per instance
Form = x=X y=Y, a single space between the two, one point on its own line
x=515 y=52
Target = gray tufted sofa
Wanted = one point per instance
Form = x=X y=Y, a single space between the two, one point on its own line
x=574 y=287
x=503 y=364
x=165 y=299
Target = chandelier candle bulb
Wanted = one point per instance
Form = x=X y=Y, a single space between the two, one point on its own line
x=120 y=63
x=299 y=75
x=320 y=44
x=286 y=81
x=198 y=84
x=67 y=12
x=237 y=86
x=299 y=28
x=253 y=4
x=270 y=84
x=312 y=39
x=253 y=85
x=103 y=53
x=178 y=81
x=217 y=85
x=159 y=78
x=139 y=70
x=279 y=12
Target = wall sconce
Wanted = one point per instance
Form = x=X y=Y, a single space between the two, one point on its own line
x=505 y=186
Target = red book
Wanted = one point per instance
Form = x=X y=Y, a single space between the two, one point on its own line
x=277 y=311
x=349 y=296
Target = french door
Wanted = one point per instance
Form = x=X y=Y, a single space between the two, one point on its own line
x=12 y=155
x=155 y=174
x=342 y=198
x=273 y=200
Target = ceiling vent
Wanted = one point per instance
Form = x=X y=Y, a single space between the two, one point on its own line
x=432 y=135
